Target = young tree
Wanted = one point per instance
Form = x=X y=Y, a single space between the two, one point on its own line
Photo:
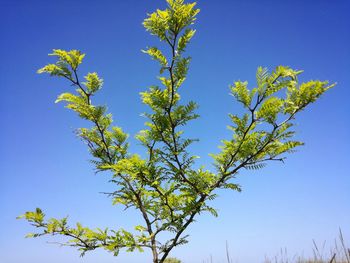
x=164 y=187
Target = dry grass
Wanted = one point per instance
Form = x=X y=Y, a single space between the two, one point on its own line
x=339 y=253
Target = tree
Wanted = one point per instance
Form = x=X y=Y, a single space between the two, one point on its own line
x=165 y=187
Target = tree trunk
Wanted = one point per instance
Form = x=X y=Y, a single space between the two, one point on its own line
x=154 y=251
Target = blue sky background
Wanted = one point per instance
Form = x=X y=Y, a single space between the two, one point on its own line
x=44 y=165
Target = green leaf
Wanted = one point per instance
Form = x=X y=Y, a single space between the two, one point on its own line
x=156 y=54
x=185 y=39
x=93 y=82
x=240 y=91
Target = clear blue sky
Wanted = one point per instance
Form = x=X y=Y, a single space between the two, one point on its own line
x=44 y=165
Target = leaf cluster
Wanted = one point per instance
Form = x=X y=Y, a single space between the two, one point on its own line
x=264 y=132
x=85 y=239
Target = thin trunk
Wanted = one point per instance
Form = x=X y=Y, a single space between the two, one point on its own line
x=154 y=251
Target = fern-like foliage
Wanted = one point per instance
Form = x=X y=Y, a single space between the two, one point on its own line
x=165 y=187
